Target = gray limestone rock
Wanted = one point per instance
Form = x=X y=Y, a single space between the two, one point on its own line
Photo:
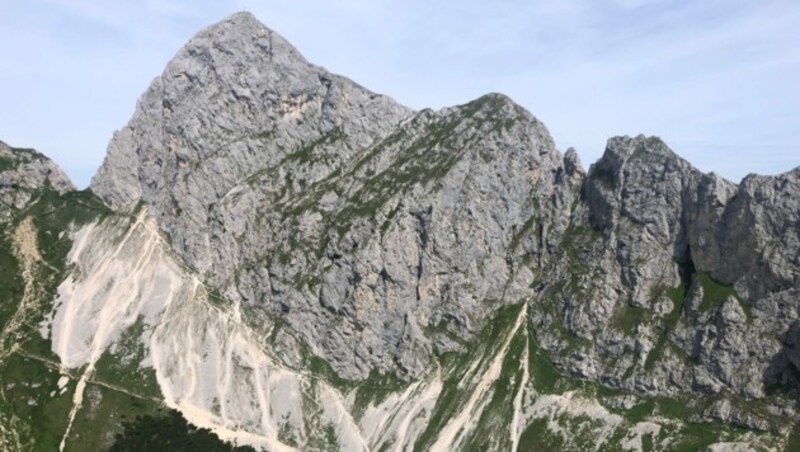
x=687 y=268
x=383 y=236
x=376 y=232
x=235 y=102
x=23 y=173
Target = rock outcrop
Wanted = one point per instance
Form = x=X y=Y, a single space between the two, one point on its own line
x=23 y=173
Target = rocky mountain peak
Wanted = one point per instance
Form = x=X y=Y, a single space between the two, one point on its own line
x=572 y=162
x=233 y=43
x=638 y=152
x=234 y=103
x=244 y=21
x=236 y=84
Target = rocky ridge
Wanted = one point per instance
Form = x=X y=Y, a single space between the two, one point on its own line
x=275 y=174
x=693 y=277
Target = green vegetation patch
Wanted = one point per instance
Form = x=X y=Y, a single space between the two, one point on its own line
x=714 y=293
x=103 y=414
x=11 y=283
x=322 y=369
x=52 y=213
x=576 y=239
x=30 y=393
x=692 y=437
x=428 y=158
x=21 y=155
x=167 y=431
x=456 y=367
x=120 y=365
x=7 y=163
x=497 y=415
x=793 y=442
x=306 y=154
x=629 y=317
x=30 y=396
x=287 y=434
x=678 y=297
x=29 y=154
x=537 y=436
x=545 y=377
x=374 y=390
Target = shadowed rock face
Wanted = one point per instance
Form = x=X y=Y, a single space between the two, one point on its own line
x=342 y=224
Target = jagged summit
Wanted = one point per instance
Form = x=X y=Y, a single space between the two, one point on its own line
x=640 y=149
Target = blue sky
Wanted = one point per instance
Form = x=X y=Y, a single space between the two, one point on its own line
x=719 y=81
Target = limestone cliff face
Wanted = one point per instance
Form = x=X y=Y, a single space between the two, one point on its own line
x=671 y=280
x=384 y=235
x=333 y=222
x=360 y=222
x=236 y=99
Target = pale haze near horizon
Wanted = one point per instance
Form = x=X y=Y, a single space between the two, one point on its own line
x=719 y=81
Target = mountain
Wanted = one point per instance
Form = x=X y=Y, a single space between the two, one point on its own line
x=272 y=257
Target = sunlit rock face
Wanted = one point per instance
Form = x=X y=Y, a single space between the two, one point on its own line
x=303 y=195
